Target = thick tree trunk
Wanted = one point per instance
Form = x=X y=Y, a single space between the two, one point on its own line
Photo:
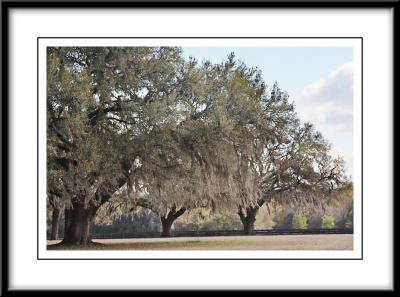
x=169 y=219
x=248 y=219
x=248 y=227
x=166 y=227
x=77 y=224
x=55 y=223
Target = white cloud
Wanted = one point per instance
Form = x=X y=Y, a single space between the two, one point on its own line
x=329 y=100
x=328 y=104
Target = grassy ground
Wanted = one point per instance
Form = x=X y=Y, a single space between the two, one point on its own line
x=269 y=242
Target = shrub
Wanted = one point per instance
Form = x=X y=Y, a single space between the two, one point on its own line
x=328 y=222
x=299 y=221
x=220 y=222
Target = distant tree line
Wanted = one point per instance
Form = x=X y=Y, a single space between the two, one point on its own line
x=339 y=214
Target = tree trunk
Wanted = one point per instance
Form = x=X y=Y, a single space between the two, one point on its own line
x=169 y=219
x=248 y=227
x=55 y=223
x=78 y=220
x=166 y=227
x=248 y=219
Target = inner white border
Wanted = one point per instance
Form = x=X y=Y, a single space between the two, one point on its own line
x=265 y=42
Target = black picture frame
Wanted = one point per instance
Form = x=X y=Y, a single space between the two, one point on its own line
x=6 y=6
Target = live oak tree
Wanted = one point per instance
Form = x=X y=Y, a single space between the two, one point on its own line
x=262 y=151
x=297 y=170
x=274 y=154
x=187 y=161
x=94 y=96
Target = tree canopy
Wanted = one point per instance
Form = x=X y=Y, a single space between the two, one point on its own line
x=142 y=126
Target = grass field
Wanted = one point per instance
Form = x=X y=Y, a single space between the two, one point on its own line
x=266 y=242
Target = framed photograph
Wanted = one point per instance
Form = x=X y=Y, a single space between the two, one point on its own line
x=177 y=147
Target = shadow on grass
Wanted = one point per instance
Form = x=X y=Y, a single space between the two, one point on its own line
x=64 y=246
x=176 y=245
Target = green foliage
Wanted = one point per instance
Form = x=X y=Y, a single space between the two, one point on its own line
x=219 y=222
x=328 y=222
x=94 y=97
x=204 y=220
x=299 y=221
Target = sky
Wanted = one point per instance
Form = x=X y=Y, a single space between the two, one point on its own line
x=319 y=80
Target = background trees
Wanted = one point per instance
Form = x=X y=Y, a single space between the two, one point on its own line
x=142 y=127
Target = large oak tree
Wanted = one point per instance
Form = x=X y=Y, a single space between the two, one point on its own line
x=95 y=98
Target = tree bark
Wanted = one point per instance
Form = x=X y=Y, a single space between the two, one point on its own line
x=248 y=227
x=55 y=223
x=166 y=227
x=78 y=220
x=248 y=219
x=169 y=219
